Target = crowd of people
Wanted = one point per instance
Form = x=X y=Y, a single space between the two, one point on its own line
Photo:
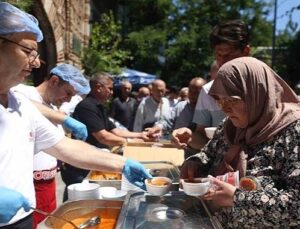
x=256 y=113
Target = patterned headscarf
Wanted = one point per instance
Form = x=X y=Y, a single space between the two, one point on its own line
x=271 y=104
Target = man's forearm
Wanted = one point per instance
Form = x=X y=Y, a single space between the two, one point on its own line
x=83 y=155
x=127 y=134
x=110 y=139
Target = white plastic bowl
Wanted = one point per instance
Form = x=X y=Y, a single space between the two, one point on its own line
x=111 y=193
x=198 y=188
x=210 y=131
x=83 y=191
x=107 y=192
x=158 y=190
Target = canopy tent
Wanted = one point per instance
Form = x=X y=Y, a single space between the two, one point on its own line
x=136 y=78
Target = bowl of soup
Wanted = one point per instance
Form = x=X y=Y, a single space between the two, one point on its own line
x=196 y=187
x=158 y=186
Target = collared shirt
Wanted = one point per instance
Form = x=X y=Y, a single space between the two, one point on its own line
x=123 y=111
x=90 y=112
x=150 y=111
x=184 y=115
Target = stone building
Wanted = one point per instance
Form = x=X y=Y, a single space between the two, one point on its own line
x=66 y=28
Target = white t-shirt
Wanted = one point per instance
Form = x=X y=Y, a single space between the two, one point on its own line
x=42 y=161
x=24 y=131
x=207 y=112
x=69 y=107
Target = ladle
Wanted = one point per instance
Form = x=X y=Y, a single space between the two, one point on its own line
x=89 y=223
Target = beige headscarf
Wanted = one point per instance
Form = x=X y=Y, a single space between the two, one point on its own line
x=271 y=104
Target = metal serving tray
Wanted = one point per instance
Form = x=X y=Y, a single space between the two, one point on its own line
x=156 y=168
x=174 y=210
x=74 y=209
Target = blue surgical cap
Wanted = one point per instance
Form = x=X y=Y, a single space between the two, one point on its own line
x=14 y=20
x=73 y=76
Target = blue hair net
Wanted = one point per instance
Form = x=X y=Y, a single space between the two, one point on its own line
x=14 y=20
x=73 y=76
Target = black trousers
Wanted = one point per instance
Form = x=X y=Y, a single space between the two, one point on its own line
x=25 y=223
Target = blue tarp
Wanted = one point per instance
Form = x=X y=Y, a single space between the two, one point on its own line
x=134 y=77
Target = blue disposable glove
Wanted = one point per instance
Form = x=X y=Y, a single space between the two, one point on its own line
x=10 y=202
x=135 y=173
x=77 y=128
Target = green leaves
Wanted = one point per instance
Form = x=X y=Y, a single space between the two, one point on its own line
x=103 y=52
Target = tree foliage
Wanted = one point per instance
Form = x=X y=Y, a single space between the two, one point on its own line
x=24 y=4
x=103 y=52
x=171 y=38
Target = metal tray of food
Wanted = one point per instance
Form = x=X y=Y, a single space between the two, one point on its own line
x=174 y=210
x=156 y=168
x=81 y=210
x=105 y=179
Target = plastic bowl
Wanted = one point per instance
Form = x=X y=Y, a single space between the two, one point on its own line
x=198 y=187
x=210 y=131
x=107 y=192
x=158 y=186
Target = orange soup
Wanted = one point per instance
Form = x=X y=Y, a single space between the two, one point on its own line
x=98 y=175
x=158 y=182
x=108 y=217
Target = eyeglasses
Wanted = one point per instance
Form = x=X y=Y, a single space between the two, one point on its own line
x=229 y=101
x=31 y=53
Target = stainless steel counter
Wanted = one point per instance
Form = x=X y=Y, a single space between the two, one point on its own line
x=174 y=210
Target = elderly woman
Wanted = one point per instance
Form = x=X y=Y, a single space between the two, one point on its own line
x=261 y=138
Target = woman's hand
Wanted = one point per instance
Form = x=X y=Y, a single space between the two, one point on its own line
x=181 y=137
x=221 y=194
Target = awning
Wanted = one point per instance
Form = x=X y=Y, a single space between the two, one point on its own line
x=134 y=77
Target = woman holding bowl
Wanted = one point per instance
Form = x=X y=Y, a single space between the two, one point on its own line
x=260 y=138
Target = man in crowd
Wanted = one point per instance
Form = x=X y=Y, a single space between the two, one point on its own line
x=142 y=93
x=62 y=83
x=183 y=94
x=172 y=95
x=229 y=40
x=153 y=108
x=25 y=131
x=102 y=133
x=123 y=108
x=183 y=112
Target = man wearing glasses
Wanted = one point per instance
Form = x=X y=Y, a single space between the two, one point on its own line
x=31 y=53
x=62 y=83
x=25 y=131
